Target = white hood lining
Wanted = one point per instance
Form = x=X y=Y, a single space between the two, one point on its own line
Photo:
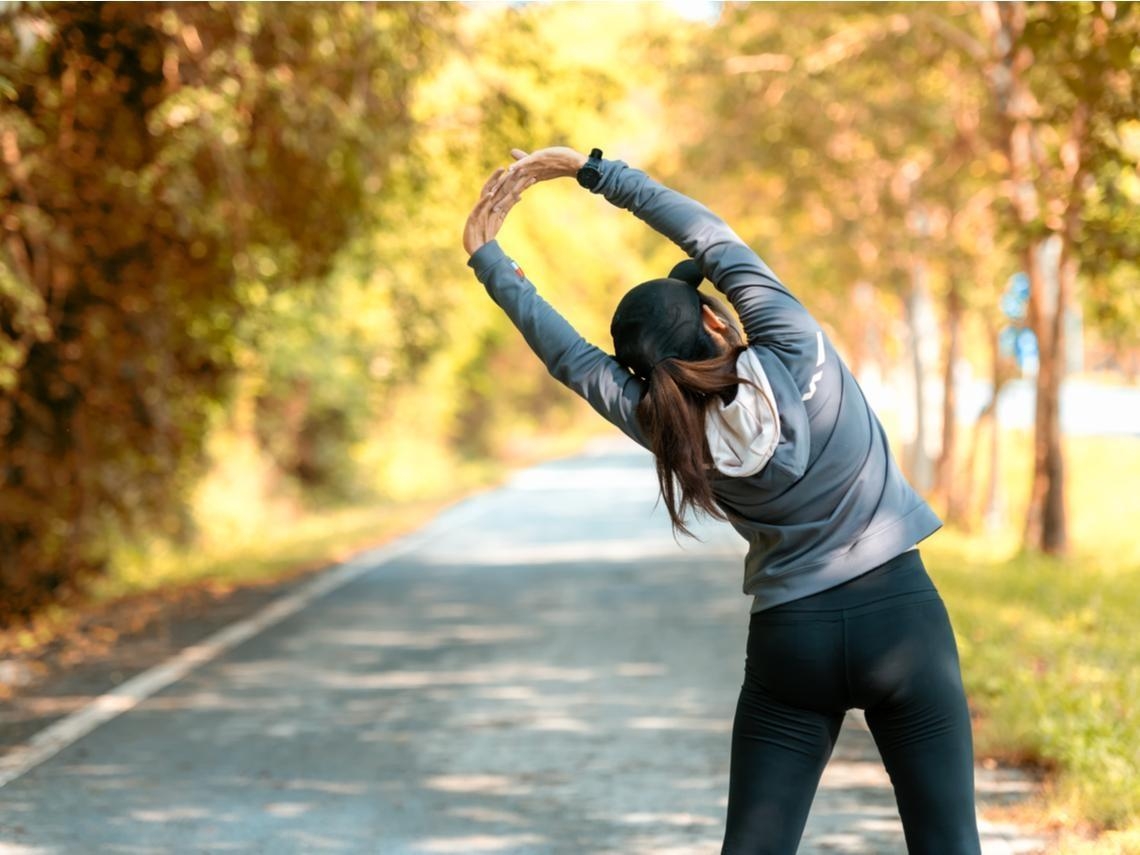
x=743 y=435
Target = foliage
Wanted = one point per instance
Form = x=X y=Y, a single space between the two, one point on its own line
x=404 y=364
x=853 y=131
x=1110 y=244
x=243 y=219
x=165 y=168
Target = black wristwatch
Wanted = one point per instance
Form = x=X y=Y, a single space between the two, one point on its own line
x=591 y=172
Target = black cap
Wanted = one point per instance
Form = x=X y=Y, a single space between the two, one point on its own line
x=661 y=319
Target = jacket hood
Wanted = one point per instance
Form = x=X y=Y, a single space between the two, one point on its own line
x=743 y=434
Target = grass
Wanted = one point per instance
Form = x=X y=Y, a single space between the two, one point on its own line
x=254 y=528
x=308 y=540
x=1049 y=647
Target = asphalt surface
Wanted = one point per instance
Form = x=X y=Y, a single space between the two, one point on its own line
x=547 y=671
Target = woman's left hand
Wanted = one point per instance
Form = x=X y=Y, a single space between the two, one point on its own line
x=490 y=212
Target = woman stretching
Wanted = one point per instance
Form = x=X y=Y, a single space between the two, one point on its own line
x=766 y=428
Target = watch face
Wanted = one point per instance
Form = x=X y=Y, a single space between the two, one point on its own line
x=589 y=175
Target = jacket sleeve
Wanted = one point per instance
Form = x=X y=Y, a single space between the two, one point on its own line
x=771 y=315
x=570 y=359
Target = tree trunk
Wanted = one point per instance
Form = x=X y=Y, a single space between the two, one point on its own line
x=1045 y=522
x=1045 y=525
x=1001 y=371
x=945 y=483
x=923 y=338
x=992 y=509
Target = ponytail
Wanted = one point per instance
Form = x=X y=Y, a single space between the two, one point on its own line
x=672 y=414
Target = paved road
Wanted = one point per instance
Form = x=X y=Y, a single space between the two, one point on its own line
x=546 y=672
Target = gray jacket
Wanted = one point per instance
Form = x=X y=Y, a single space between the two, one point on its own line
x=828 y=502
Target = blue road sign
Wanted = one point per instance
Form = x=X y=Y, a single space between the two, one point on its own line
x=1021 y=344
x=1015 y=300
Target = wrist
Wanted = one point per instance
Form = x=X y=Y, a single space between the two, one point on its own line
x=485 y=258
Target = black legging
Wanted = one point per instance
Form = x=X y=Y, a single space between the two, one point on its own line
x=881 y=642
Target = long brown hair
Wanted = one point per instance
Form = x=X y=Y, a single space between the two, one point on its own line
x=672 y=414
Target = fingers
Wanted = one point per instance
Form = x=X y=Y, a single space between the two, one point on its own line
x=515 y=185
x=480 y=211
x=516 y=170
x=484 y=207
x=503 y=189
x=490 y=212
x=493 y=181
x=496 y=209
x=512 y=184
x=527 y=163
x=503 y=203
x=505 y=176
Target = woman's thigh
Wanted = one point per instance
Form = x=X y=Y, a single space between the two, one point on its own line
x=910 y=684
x=782 y=735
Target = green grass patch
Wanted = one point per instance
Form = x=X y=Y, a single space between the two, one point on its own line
x=1049 y=648
x=302 y=542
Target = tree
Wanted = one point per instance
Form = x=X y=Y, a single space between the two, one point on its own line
x=1062 y=82
x=860 y=133
x=144 y=148
x=881 y=135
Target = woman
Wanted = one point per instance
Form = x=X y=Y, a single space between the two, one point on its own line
x=775 y=436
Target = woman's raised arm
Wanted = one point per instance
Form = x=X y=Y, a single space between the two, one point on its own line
x=587 y=370
x=769 y=312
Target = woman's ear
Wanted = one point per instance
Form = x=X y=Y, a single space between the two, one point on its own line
x=713 y=322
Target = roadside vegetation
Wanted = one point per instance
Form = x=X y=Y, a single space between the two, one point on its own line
x=1049 y=647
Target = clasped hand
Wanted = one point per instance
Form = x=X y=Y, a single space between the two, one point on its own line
x=505 y=187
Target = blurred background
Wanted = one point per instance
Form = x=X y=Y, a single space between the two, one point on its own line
x=238 y=335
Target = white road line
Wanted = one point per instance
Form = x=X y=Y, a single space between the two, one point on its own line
x=57 y=736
